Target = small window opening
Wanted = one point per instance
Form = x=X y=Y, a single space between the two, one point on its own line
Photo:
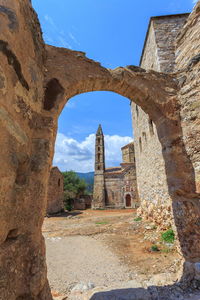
x=59 y=182
x=137 y=110
x=144 y=136
x=98 y=157
x=140 y=144
x=151 y=129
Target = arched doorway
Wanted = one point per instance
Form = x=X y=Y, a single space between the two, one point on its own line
x=128 y=200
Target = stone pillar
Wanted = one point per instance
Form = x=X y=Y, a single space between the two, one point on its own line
x=99 y=183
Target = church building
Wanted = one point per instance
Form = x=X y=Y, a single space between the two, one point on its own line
x=114 y=187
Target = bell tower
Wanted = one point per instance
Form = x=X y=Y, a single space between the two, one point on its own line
x=99 y=185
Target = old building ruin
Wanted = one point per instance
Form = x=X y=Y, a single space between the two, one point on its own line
x=36 y=81
x=159 y=55
x=55 y=195
x=114 y=187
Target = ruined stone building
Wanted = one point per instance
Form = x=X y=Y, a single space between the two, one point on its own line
x=114 y=187
x=36 y=82
x=159 y=55
x=55 y=196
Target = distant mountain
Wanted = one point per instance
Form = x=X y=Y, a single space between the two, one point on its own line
x=89 y=179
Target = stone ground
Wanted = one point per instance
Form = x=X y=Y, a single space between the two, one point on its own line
x=106 y=255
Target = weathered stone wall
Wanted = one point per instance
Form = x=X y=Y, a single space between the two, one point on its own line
x=114 y=191
x=188 y=74
x=83 y=202
x=24 y=154
x=55 y=195
x=119 y=184
x=188 y=59
x=128 y=153
x=150 y=167
x=99 y=190
x=159 y=55
x=150 y=55
x=130 y=187
x=159 y=48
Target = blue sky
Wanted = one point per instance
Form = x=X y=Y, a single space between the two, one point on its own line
x=112 y=32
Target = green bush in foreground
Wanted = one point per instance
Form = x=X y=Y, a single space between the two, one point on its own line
x=154 y=248
x=168 y=236
x=138 y=219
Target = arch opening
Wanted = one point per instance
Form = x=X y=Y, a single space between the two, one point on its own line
x=168 y=129
x=112 y=194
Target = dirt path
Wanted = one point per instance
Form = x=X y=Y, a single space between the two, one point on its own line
x=82 y=259
x=107 y=248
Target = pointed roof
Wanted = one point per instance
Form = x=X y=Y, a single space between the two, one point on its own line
x=99 y=130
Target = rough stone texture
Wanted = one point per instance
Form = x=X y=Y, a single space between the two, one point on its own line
x=150 y=167
x=121 y=186
x=159 y=55
x=24 y=154
x=159 y=48
x=36 y=82
x=188 y=58
x=188 y=64
x=84 y=202
x=55 y=195
x=128 y=153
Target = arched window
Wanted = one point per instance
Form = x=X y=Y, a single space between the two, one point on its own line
x=59 y=182
x=98 y=155
x=99 y=141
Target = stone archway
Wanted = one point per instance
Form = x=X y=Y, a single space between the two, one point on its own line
x=35 y=83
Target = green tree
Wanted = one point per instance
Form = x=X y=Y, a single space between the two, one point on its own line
x=74 y=187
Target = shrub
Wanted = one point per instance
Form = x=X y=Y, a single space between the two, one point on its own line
x=138 y=219
x=101 y=223
x=154 y=227
x=168 y=236
x=68 y=204
x=154 y=248
x=73 y=185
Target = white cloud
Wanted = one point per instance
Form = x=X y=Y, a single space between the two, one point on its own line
x=79 y=156
x=55 y=36
x=73 y=38
x=63 y=42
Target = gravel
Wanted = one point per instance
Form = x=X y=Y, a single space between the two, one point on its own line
x=76 y=259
